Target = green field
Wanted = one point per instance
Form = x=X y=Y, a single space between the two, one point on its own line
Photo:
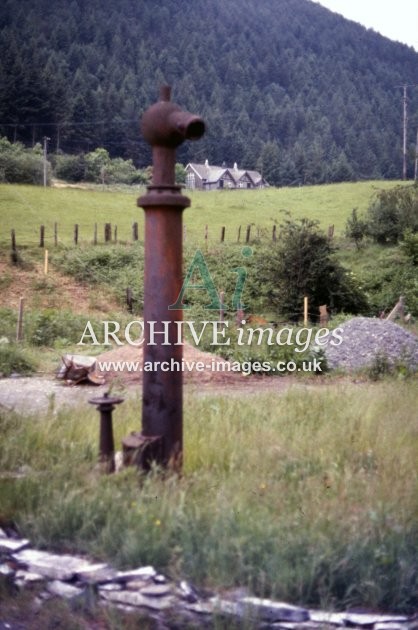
x=25 y=208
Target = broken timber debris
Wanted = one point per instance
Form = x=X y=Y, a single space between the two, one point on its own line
x=78 y=369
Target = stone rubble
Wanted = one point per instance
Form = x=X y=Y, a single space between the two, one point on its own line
x=365 y=339
x=174 y=605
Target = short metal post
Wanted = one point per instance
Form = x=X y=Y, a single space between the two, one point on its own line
x=105 y=405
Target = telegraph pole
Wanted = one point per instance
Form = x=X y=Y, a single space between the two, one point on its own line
x=46 y=140
x=416 y=159
x=405 y=127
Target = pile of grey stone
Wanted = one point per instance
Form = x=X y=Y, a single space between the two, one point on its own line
x=366 y=340
x=172 y=605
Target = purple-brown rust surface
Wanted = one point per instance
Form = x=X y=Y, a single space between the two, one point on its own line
x=165 y=126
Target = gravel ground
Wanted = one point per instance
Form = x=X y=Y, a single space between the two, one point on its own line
x=366 y=338
x=363 y=340
x=36 y=394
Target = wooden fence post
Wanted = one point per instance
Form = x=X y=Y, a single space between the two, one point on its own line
x=108 y=232
x=331 y=232
x=222 y=234
x=239 y=234
x=135 y=231
x=42 y=236
x=95 y=234
x=247 y=236
x=274 y=235
x=55 y=233
x=13 y=237
x=221 y=309
x=129 y=299
x=305 y=311
x=115 y=232
x=240 y=316
x=398 y=310
x=46 y=262
x=323 y=315
x=19 y=329
x=76 y=234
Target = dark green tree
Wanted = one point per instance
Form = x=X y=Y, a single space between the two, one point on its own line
x=392 y=212
x=303 y=264
x=356 y=228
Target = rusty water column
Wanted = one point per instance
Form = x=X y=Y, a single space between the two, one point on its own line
x=164 y=126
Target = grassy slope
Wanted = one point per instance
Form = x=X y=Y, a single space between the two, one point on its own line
x=25 y=208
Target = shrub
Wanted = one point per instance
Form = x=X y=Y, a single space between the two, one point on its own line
x=409 y=246
x=393 y=212
x=180 y=174
x=97 y=166
x=355 y=228
x=121 y=171
x=13 y=359
x=303 y=264
x=71 y=168
x=96 y=163
x=19 y=165
x=46 y=328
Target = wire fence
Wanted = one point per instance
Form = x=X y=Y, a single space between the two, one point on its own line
x=108 y=233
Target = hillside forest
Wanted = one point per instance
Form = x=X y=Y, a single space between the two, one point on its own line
x=285 y=86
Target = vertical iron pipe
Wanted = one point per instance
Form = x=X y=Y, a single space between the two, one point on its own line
x=164 y=126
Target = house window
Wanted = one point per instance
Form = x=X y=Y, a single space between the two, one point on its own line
x=190 y=180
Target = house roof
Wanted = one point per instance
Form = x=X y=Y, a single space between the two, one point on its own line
x=212 y=174
x=255 y=176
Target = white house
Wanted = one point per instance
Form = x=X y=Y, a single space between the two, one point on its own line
x=205 y=177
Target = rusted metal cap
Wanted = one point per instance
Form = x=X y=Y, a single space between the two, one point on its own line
x=165 y=124
x=105 y=400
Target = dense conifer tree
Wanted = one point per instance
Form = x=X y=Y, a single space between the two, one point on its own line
x=285 y=84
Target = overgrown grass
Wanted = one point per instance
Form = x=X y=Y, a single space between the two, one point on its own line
x=25 y=208
x=17 y=360
x=310 y=496
x=384 y=273
x=45 y=328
